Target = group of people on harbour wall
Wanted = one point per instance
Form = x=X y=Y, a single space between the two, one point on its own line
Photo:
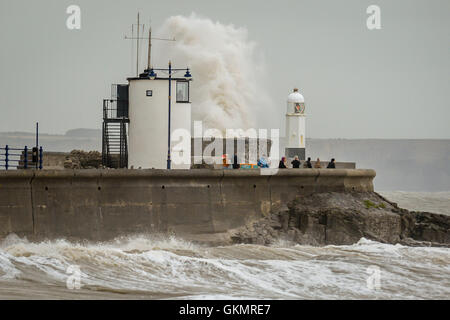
x=307 y=164
x=264 y=162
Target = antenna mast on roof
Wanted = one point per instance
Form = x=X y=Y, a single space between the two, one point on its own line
x=149 y=47
x=137 y=47
x=149 y=44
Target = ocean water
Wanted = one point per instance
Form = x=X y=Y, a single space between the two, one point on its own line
x=145 y=267
x=436 y=202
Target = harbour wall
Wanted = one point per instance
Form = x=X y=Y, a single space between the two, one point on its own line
x=201 y=205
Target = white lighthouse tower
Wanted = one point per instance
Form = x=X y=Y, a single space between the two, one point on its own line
x=295 y=126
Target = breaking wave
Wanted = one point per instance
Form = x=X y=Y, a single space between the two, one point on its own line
x=170 y=268
x=228 y=90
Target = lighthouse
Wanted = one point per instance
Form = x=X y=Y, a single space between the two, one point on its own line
x=295 y=126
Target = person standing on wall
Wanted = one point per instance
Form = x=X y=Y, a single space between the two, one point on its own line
x=307 y=164
x=236 y=164
x=263 y=162
x=296 y=162
x=332 y=164
x=317 y=165
x=282 y=164
x=225 y=161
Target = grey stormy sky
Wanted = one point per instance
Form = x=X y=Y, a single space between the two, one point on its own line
x=388 y=83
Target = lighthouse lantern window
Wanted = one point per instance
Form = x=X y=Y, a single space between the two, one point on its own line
x=182 y=91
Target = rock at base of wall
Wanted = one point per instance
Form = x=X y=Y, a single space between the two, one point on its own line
x=343 y=219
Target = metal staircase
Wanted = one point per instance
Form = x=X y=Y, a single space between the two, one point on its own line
x=115 y=138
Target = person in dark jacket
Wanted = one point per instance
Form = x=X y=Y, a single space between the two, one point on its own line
x=282 y=164
x=332 y=164
x=295 y=163
x=308 y=163
x=236 y=164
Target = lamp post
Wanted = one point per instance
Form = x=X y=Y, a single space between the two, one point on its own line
x=168 y=135
x=150 y=73
x=37 y=140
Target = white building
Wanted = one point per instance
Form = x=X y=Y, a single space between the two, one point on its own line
x=149 y=122
x=295 y=126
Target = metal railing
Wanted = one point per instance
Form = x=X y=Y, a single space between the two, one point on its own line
x=114 y=134
x=19 y=158
x=109 y=109
x=115 y=110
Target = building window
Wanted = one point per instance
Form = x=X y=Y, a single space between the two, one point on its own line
x=182 y=91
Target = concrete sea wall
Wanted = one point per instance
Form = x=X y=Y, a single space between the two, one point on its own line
x=195 y=204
